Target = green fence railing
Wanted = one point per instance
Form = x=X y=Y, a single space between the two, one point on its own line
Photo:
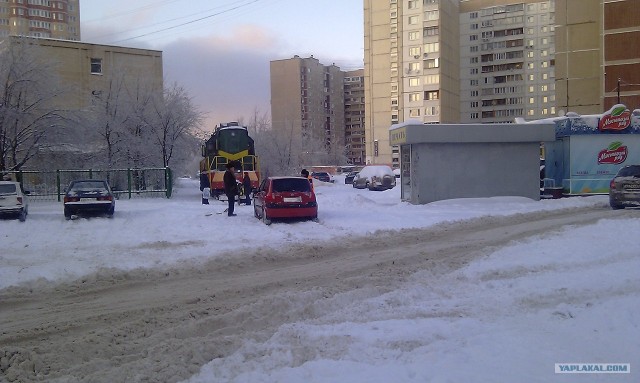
x=125 y=183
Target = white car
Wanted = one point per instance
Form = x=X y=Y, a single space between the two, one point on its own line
x=375 y=177
x=13 y=201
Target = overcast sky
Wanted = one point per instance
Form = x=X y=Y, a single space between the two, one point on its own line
x=220 y=50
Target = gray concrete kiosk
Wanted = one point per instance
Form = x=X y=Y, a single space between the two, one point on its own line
x=445 y=161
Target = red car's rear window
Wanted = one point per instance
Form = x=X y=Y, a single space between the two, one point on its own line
x=291 y=185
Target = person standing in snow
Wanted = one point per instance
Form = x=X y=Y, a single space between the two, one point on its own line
x=230 y=187
x=246 y=186
x=305 y=173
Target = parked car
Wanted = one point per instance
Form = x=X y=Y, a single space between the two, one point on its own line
x=375 y=177
x=321 y=176
x=13 y=200
x=348 y=179
x=89 y=197
x=285 y=197
x=624 y=189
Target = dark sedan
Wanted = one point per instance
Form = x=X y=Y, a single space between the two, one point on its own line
x=348 y=179
x=624 y=190
x=89 y=197
x=321 y=176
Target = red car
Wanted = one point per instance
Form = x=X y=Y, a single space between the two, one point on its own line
x=285 y=197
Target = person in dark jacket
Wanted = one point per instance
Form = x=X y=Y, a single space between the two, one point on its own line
x=246 y=186
x=305 y=173
x=230 y=187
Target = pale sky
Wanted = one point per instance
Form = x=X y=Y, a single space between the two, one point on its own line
x=220 y=50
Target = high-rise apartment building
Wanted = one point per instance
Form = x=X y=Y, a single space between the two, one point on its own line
x=597 y=54
x=58 y=19
x=307 y=102
x=354 y=116
x=507 y=60
x=411 y=57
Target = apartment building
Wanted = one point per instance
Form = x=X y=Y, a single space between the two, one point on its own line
x=354 y=116
x=507 y=60
x=411 y=56
x=58 y=19
x=307 y=102
x=598 y=60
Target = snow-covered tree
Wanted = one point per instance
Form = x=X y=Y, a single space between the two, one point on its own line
x=172 y=121
x=28 y=112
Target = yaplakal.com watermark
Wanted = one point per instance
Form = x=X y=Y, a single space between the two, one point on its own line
x=593 y=368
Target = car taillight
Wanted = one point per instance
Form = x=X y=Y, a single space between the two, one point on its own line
x=105 y=198
x=20 y=200
x=612 y=184
x=71 y=199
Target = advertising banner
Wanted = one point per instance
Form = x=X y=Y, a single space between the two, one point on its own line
x=595 y=159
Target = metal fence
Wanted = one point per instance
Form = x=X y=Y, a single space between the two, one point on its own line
x=125 y=183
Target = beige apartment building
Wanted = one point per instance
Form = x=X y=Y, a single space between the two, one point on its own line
x=507 y=60
x=597 y=54
x=91 y=69
x=411 y=59
x=354 y=116
x=58 y=19
x=307 y=102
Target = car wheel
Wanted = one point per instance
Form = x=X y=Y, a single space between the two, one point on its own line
x=110 y=213
x=366 y=186
x=354 y=184
x=23 y=215
x=67 y=214
x=266 y=220
x=616 y=207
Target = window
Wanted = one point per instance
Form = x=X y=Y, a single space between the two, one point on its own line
x=432 y=15
x=412 y=4
x=413 y=20
x=96 y=66
x=431 y=111
x=414 y=81
x=431 y=31
x=414 y=51
x=414 y=96
x=432 y=95
x=414 y=35
x=532 y=100
x=431 y=47
x=414 y=67
x=414 y=112
x=432 y=63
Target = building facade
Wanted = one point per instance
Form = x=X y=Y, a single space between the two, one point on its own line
x=89 y=70
x=307 y=102
x=598 y=60
x=354 y=116
x=58 y=19
x=507 y=60
x=411 y=69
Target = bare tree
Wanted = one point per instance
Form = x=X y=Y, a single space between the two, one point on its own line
x=173 y=119
x=28 y=112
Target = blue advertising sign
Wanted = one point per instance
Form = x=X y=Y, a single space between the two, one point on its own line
x=595 y=159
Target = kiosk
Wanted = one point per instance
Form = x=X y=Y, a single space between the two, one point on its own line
x=590 y=149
